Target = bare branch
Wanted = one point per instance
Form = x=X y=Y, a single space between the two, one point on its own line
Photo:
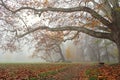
x=23 y=21
x=3 y=4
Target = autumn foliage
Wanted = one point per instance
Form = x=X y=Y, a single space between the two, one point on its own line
x=62 y=71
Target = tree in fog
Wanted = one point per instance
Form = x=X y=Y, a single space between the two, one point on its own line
x=49 y=43
x=98 y=18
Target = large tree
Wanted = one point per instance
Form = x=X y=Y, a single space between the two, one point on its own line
x=98 y=18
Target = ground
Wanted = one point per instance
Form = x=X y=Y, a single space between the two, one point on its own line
x=59 y=71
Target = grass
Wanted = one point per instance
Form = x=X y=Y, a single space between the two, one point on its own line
x=90 y=70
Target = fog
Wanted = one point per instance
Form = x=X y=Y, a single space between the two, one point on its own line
x=45 y=46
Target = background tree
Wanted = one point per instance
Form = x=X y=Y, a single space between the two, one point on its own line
x=49 y=43
x=98 y=18
x=95 y=49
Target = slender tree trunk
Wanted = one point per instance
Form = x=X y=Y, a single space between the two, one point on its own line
x=94 y=56
x=51 y=59
x=82 y=54
x=98 y=50
x=61 y=54
x=107 y=54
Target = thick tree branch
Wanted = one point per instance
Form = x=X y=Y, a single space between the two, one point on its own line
x=80 y=8
x=71 y=28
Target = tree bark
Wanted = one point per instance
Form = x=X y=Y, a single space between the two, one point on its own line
x=116 y=36
x=61 y=54
x=118 y=46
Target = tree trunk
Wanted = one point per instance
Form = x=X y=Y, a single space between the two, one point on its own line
x=118 y=46
x=107 y=54
x=82 y=54
x=61 y=54
x=98 y=51
x=94 y=56
x=117 y=41
x=116 y=37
